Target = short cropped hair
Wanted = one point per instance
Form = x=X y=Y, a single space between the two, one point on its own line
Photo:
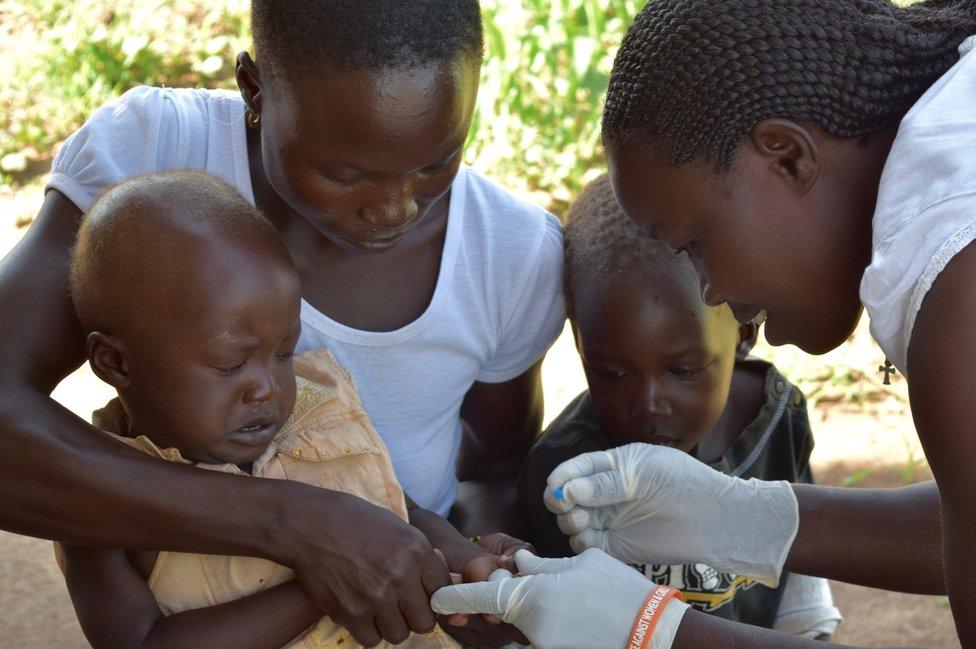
x=315 y=35
x=604 y=247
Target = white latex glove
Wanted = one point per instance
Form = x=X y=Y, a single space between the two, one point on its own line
x=653 y=504
x=586 y=602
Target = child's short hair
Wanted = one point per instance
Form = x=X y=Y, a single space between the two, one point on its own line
x=317 y=35
x=603 y=245
x=119 y=238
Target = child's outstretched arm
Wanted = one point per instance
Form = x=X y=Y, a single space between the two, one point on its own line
x=117 y=610
x=501 y=422
x=474 y=563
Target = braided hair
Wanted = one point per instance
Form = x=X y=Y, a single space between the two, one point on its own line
x=696 y=76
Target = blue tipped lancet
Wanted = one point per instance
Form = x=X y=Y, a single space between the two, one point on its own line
x=558 y=493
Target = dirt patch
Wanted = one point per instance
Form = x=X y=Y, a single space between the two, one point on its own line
x=877 y=618
x=35 y=612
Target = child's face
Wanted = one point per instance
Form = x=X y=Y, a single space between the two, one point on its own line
x=215 y=380
x=363 y=155
x=756 y=241
x=658 y=362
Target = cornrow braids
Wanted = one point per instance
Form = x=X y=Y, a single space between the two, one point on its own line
x=697 y=75
x=602 y=246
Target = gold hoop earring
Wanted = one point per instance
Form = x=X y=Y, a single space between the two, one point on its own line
x=253 y=118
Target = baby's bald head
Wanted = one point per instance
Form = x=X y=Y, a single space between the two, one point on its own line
x=191 y=305
x=150 y=248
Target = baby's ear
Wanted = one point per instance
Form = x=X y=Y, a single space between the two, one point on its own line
x=748 y=335
x=107 y=357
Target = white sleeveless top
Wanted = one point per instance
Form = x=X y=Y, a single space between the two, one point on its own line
x=496 y=308
x=926 y=210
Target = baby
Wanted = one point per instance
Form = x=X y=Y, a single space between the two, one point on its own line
x=664 y=368
x=191 y=304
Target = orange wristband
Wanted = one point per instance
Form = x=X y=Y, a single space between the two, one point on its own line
x=650 y=614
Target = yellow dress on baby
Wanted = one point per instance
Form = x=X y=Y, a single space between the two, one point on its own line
x=327 y=442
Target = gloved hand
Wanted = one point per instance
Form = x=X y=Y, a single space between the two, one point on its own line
x=653 y=504
x=586 y=602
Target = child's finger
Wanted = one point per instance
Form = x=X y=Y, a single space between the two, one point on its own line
x=507 y=562
x=440 y=555
x=458 y=619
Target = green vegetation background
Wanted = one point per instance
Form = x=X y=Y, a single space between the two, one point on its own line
x=536 y=130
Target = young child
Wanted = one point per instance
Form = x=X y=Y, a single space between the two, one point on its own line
x=191 y=304
x=664 y=368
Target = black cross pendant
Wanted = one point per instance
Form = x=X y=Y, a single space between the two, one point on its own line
x=888 y=370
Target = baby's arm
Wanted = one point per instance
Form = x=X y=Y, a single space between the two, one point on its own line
x=474 y=563
x=461 y=554
x=117 y=610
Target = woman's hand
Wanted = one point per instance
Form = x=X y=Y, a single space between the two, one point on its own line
x=654 y=504
x=367 y=569
x=587 y=602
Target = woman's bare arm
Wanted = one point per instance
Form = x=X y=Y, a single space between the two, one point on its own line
x=884 y=538
x=702 y=630
x=942 y=373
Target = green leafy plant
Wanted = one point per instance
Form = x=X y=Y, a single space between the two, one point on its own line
x=537 y=127
x=65 y=59
x=546 y=71
x=914 y=463
x=857 y=477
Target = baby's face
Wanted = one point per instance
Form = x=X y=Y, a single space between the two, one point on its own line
x=216 y=381
x=659 y=366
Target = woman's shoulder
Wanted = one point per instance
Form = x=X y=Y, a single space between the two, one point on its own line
x=149 y=105
x=510 y=241
x=931 y=157
x=500 y=215
x=926 y=207
x=145 y=130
